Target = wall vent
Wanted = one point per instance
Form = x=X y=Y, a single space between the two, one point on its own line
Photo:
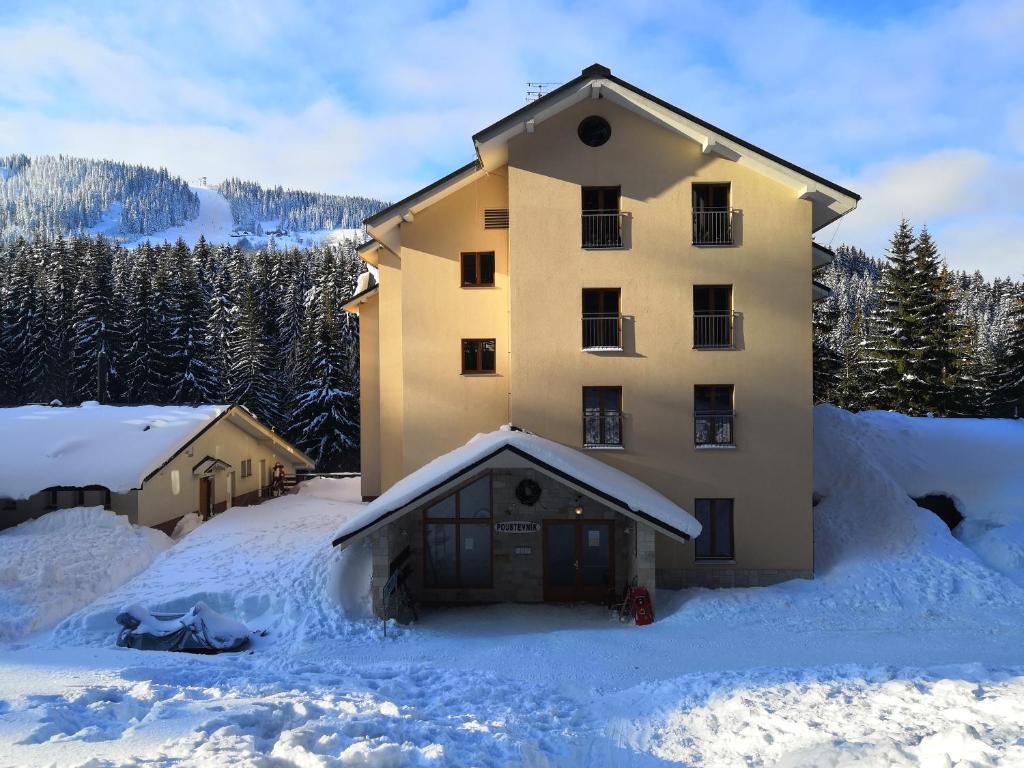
x=496 y=218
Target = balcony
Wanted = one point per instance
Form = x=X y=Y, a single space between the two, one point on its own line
x=713 y=429
x=712 y=226
x=602 y=428
x=713 y=329
x=602 y=228
x=602 y=331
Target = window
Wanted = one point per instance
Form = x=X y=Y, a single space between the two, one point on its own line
x=602 y=226
x=477 y=269
x=594 y=131
x=716 y=540
x=602 y=324
x=712 y=317
x=713 y=415
x=457 y=537
x=175 y=482
x=246 y=467
x=712 y=216
x=602 y=417
x=478 y=356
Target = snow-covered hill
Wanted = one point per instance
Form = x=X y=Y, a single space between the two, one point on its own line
x=64 y=196
x=216 y=224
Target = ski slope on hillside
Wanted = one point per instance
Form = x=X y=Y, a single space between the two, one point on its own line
x=216 y=224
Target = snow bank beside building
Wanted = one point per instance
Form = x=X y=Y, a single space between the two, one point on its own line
x=270 y=566
x=52 y=566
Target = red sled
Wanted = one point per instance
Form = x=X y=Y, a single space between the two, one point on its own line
x=643 y=611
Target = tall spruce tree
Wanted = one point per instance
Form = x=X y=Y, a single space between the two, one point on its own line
x=93 y=341
x=193 y=380
x=894 y=345
x=323 y=420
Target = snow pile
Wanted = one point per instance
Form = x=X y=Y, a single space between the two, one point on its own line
x=638 y=496
x=52 y=566
x=876 y=552
x=188 y=523
x=109 y=445
x=270 y=566
x=979 y=463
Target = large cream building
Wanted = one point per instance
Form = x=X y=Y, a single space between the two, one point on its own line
x=614 y=275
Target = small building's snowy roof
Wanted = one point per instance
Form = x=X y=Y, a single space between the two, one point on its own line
x=612 y=486
x=117 y=447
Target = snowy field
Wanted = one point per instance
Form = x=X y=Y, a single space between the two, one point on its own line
x=906 y=650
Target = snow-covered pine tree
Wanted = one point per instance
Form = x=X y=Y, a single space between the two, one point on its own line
x=23 y=332
x=250 y=377
x=92 y=337
x=932 y=305
x=825 y=317
x=323 y=421
x=893 y=348
x=193 y=380
x=1011 y=381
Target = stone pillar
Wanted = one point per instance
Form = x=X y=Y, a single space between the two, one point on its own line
x=381 y=543
x=644 y=556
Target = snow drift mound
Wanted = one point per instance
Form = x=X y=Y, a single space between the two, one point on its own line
x=55 y=564
x=877 y=553
x=270 y=566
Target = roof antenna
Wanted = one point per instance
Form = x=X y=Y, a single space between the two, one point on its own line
x=535 y=91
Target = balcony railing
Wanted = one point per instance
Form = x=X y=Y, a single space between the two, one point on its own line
x=602 y=330
x=602 y=229
x=713 y=428
x=712 y=226
x=602 y=428
x=713 y=329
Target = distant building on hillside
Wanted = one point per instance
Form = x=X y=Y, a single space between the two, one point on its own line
x=152 y=463
x=630 y=284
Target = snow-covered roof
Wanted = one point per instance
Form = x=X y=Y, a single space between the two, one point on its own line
x=612 y=486
x=114 y=446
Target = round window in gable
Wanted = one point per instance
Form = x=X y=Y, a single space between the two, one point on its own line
x=594 y=131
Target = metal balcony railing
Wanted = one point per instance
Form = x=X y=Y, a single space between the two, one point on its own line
x=712 y=226
x=602 y=229
x=713 y=428
x=713 y=329
x=601 y=428
x=602 y=330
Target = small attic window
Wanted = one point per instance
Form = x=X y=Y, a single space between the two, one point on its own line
x=594 y=131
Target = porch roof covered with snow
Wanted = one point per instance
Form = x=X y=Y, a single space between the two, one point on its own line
x=512 y=447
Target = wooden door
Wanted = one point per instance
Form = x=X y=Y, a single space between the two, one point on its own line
x=205 y=497
x=579 y=560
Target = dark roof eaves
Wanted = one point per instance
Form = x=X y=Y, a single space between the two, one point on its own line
x=387 y=212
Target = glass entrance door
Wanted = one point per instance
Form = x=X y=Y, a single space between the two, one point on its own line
x=578 y=560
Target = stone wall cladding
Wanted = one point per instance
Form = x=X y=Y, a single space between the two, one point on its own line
x=725 y=576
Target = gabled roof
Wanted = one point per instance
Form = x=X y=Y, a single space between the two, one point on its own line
x=829 y=200
x=118 y=447
x=591 y=477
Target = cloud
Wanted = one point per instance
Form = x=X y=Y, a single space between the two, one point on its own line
x=972 y=201
x=912 y=107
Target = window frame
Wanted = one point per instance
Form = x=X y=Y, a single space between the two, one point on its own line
x=713 y=411
x=603 y=294
x=477 y=255
x=712 y=530
x=479 y=371
x=458 y=522
x=246 y=469
x=602 y=411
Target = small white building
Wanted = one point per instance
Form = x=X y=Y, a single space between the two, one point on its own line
x=153 y=463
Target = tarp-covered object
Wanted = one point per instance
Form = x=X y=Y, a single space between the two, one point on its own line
x=200 y=630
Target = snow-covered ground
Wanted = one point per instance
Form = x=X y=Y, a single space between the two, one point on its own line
x=906 y=650
x=216 y=224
